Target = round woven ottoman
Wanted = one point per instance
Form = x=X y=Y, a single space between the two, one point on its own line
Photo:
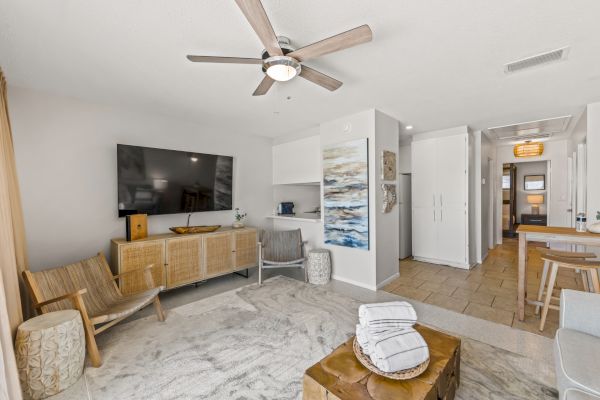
x=319 y=266
x=50 y=351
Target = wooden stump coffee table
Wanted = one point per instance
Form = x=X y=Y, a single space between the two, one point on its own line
x=340 y=376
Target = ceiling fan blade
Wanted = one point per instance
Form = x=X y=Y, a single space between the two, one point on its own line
x=225 y=60
x=342 y=41
x=320 y=78
x=264 y=86
x=255 y=14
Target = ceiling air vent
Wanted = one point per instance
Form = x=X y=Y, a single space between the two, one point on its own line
x=534 y=61
x=531 y=130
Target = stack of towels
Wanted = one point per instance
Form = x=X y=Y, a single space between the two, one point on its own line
x=386 y=334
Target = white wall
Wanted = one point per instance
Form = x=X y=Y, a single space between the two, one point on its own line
x=380 y=263
x=355 y=266
x=404 y=159
x=388 y=235
x=529 y=168
x=558 y=202
x=593 y=161
x=66 y=163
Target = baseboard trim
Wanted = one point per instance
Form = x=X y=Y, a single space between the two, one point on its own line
x=442 y=262
x=354 y=283
x=388 y=280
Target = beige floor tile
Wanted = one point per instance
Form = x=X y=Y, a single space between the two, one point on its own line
x=532 y=325
x=447 y=302
x=485 y=281
x=505 y=303
x=462 y=283
x=498 y=291
x=509 y=284
x=474 y=296
x=412 y=293
x=430 y=277
x=490 y=314
x=442 y=288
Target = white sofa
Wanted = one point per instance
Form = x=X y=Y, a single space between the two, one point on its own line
x=577 y=346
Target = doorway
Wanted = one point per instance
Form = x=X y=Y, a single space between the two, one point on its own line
x=525 y=195
x=405 y=210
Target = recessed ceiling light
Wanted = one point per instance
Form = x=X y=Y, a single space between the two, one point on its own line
x=194 y=159
x=409 y=127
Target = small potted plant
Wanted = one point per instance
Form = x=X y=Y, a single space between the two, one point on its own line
x=239 y=216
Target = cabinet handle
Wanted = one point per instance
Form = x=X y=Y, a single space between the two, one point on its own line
x=434 y=215
x=441 y=202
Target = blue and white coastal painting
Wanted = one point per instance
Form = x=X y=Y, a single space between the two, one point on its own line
x=346 y=194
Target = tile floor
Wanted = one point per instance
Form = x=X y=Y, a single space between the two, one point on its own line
x=488 y=291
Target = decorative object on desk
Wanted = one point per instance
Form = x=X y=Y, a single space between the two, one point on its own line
x=239 y=216
x=194 y=229
x=389 y=197
x=346 y=194
x=534 y=182
x=285 y=208
x=535 y=200
x=580 y=222
x=388 y=165
x=136 y=226
x=595 y=227
x=319 y=266
x=50 y=352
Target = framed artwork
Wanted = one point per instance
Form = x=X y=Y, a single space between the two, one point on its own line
x=534 y=182
x=346 y=194
x=388 y=165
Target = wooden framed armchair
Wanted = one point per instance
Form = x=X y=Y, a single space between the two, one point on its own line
x=280 y=249
x=89 y=286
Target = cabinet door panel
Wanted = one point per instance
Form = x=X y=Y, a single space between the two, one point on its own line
x=245 y=249
x=218 y=254
x=451 y=167
x=135 y=256
x=423 y=173
x=184 y=260
x=423 y=232
x=452 y=235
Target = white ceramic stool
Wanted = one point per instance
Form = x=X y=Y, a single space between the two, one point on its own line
x=50 y=352
x=319 y=266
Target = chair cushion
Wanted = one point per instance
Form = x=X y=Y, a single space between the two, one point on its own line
x=577 y=356
x=126 y=306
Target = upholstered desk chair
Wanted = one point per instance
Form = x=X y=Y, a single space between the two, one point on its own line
x=281 y=249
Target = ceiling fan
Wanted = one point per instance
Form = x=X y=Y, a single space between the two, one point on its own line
x=281 y=62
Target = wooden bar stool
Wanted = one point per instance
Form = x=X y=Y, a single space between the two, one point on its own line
x=563 y=254
x=561 y=262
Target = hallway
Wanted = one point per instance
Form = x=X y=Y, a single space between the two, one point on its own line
x=488 y=291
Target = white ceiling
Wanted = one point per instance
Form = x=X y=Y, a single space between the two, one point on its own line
x=432 y=64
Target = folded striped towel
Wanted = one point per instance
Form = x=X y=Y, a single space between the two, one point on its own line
x=380 y=317
x=364 y=338
x=398 y=350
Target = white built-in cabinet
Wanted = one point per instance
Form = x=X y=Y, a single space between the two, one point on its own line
x=297 y=162
x=440 y=218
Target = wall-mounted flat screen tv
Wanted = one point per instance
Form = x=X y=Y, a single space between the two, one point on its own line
x=156 y=181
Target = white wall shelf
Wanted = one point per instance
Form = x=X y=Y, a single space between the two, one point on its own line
x=316 y=220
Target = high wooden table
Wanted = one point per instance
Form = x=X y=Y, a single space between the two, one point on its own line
x=552 y=234
x=340 y=376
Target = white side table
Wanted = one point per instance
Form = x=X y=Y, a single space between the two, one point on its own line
x=50 y=351
x=319 y=266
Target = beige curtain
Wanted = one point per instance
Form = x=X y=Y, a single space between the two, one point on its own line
x=12 y=253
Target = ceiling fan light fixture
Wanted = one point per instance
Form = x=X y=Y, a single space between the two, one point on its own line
x=281 y=68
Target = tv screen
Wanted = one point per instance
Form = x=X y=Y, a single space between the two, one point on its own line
x=156 y=181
